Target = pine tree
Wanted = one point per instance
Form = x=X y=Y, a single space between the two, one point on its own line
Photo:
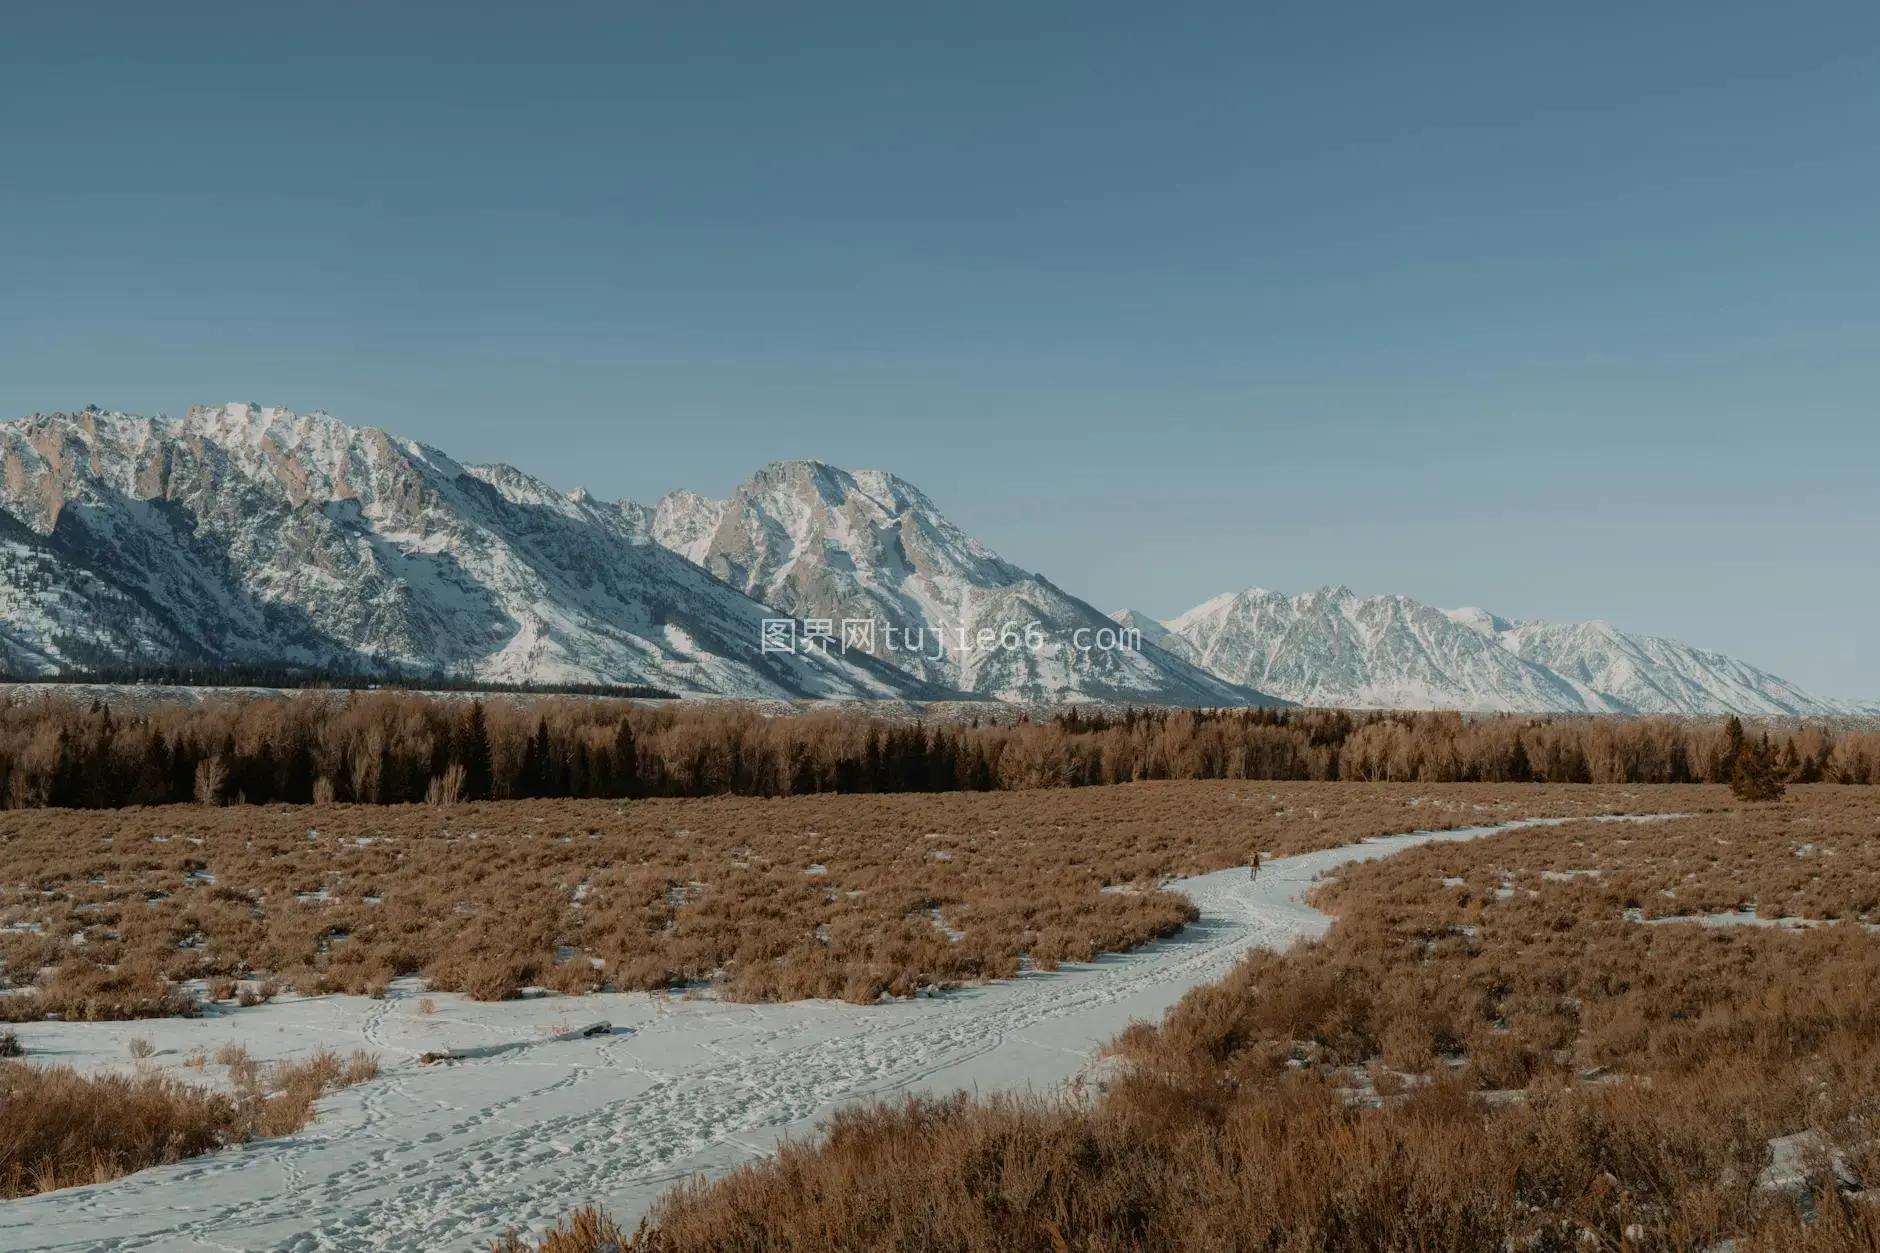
x=1757 y=776
x=473 y=754
x=1732 y=749
x=153 y=773
x=580 y=769
x=555 y=765
x=626 y=764
x=536 y=772
x=1520 y=769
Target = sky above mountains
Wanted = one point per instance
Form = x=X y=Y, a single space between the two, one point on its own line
x=1569 y=314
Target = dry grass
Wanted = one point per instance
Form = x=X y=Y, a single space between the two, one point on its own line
x=105 y=914
x=1816 y=857
x=59 y=1129
x=583 y=1231
x=1485 y=1052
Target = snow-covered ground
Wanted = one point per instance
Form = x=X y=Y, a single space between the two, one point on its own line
x=447 y=1156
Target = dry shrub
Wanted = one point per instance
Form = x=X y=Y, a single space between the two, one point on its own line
x=767 y=899
x=282 y=1094
x=59 y=1128
x=83 y=989
x=447 y=788
x=243 y=1071
x=583 y=1231
x=359 y=1067
x=487 y=979
x=1485 y=1052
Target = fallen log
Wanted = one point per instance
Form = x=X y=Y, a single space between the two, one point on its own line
x=491 y=1050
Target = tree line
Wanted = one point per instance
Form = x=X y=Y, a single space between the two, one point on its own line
x=397 y=748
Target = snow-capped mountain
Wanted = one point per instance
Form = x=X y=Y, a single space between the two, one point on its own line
x=243 y=534
x=239 y=534
x=1646 y=673
x=1333 y=648
x=866 y=547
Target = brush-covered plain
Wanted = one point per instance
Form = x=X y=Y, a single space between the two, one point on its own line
x=151 y=911
x=1556 y=1038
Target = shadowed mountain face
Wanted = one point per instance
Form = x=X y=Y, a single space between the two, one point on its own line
x=866 y=547
x=1334 y=648
x=242 y=534
x=55 y=612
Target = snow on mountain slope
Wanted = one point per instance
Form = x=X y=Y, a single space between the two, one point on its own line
x=1152 y=632
x=1481 y=621
x=1332 y=648
x=1648 y=674
x=247 y=534
x=684 y=522
x=825 y=544
x=55 y=615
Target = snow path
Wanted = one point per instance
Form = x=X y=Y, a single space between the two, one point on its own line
x=448 y=1156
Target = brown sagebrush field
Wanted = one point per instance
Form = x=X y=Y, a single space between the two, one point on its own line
x=1490 y=1049
x=59 y=1128
x=110 y=914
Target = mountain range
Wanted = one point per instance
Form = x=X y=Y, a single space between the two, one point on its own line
x=1334 y=648
x=247 y=535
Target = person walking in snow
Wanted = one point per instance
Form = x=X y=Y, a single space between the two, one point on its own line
x=1254 y=870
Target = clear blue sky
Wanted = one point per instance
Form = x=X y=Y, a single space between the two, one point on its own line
x=1570 y=314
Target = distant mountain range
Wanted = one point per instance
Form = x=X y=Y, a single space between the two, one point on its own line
x=246 y=535
x=1333 y=648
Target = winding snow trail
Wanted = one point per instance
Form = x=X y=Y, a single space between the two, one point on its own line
x=447 y=1157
